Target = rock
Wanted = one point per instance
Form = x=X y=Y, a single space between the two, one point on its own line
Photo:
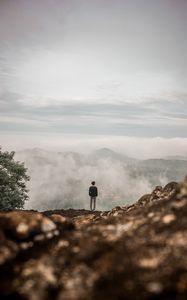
x=143 y=200
x=22 y=225
x=20 y=230
x=155 y=287
x=133 y=252
x=167 y=219
x=63 y=223
x=179 y=204
x=171 y=187
x=150 y=263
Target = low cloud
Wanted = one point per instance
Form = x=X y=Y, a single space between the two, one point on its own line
x=61 y=180
x=138 y=147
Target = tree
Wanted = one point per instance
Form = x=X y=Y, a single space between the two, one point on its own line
x=13 y=178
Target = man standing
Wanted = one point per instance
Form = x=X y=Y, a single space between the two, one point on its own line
x=93 y=194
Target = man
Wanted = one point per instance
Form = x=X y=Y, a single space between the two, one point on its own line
x=93 y=194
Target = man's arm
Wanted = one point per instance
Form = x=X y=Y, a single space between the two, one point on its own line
x=89 y=192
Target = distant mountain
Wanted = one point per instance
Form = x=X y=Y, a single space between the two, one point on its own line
x=157 y=170
x=108 y=153
x=41 y=155
x=175 y=157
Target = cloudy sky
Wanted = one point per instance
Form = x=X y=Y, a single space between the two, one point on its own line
x=94 y=72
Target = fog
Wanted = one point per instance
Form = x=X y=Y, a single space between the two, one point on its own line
x=133 y=146
x=61 y=180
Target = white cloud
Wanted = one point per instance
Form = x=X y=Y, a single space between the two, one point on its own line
x=86 y=55
x=53 y=77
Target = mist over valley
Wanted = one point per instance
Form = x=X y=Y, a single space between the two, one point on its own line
x=60 y=180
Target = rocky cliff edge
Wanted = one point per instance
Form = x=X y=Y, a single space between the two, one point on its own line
x=131 y=252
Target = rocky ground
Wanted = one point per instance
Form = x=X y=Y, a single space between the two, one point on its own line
x=131 y=252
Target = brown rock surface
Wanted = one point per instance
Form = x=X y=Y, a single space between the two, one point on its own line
x=132 y=252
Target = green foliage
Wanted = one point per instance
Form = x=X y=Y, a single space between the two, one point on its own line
x=13 y=178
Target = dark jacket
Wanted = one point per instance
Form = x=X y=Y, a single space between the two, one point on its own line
x=93 y=191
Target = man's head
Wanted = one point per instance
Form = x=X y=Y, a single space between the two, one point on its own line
x=93 y=182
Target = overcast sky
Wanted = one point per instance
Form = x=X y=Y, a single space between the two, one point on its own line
x=96 y=71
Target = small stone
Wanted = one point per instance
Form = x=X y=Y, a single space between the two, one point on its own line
x=179 y=204
x=150 y=263
x=115 y=214
x=56 y=232
x=155 y=287
x=156 y=219
x=22 y=229
x=124 y=227
x=5 y=254
x=47 y=225
x=167 y=219
x=151 y=214
x=58 y=218
x=110 y=227
x=49 y=235
x=39 y=237
x=63 y=244
x=76 y=249
x=183 y=191
x=25 y=245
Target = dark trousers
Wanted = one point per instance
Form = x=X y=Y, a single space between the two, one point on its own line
x=92 y=203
